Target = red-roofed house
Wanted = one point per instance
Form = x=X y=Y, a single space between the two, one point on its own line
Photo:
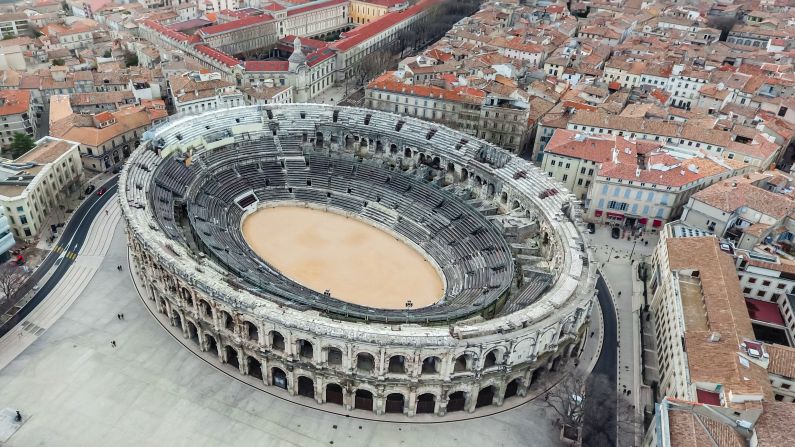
x=365 y=11
x=241 y=35
x=16 y=114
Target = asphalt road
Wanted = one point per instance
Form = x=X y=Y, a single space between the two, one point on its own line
x=600 y=419
x=64 y=252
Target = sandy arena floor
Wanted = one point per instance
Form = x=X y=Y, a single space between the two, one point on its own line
x=358 y=263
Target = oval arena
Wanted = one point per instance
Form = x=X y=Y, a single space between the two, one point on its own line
x=500 y=244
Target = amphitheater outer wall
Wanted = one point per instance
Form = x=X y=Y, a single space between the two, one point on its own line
x=472 y=359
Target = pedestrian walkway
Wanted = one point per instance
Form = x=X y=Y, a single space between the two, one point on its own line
x=87 y=261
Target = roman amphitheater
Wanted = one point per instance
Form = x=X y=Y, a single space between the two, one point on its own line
x=363 y=260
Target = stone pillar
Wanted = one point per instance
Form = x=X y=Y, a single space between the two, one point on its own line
x=411 y=402
x=499 y=394
x=521 y=391
x=379 y=403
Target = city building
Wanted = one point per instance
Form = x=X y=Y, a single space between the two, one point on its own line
x=196 y=92
x=6 y=236
x=16 y=116
x=34 y=186
x=14 y=24
x=268 y=93
x=105 y=139
x=365 y=11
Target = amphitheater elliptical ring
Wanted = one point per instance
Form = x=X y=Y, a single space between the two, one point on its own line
x=504 y=238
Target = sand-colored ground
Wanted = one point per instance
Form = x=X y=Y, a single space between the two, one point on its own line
x=357 y=262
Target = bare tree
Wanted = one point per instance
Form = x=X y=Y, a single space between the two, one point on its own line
x=12 y=278
x=567 y=399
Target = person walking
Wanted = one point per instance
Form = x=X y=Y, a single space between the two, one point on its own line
x=113 y=343
x=118 y=316
x=122 y=316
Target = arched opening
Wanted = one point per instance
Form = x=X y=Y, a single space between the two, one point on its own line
x=395 y=403
x=254 y=367
x=177 y=320
x=431 y=365
x=463 y=363
x=490 y=190
x=193 y=333
x=229 y=322
x=205 y=310
x=490 y=360
x=512 y=388
x=319 y=139
x=306 y=387
x=277 y=341
x=334 y=357
x=397 y=364
x=363 y=400
x=485 y=397
x=279 y=378
x=334 y=394
x=515 y=205
x=231 y=356
x=426 y=403
x=555 y=364
x=450 y=167
x=348 y=141
x=456 y=401
x=436 y=163
x=365 y=363
x=407 y=152
x=251 y=331
x=464 y=175
x=210 y=344
x=535 y=376
x=364 y=142
x=393 y=149
x=379 y=147
x=504 y=198
x=305 y=350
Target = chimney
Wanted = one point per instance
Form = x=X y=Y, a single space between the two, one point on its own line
x=641 y=161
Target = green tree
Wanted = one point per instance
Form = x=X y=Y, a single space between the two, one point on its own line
x=107 y=54
x=20 y=145
x=58 y=62
x=131 y=59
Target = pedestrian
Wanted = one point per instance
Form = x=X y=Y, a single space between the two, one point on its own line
x=122 y=316
x=106 y=212
x=18 y=417
x=118 y=316
x=113 y=343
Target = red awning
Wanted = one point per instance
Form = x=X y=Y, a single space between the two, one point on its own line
x=656 y=223
x=614 y=85
x=615 y=215
x=598 y=213
x=643 y=220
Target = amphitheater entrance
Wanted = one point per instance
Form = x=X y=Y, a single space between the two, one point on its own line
x=426 y=403
x=343 y=258
x=512 y=388
x=193 y=333
x=334 y=394
x=254 y=367
x=456 y=401
x=395 y=403
x=485 y=397
x=231 y=356
x=279 y=378
x=306 y=387
x=363 y=400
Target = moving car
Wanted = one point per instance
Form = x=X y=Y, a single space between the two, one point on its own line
x=101 y=191
x=90 y=189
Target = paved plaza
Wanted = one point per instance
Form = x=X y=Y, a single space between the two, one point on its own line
x=75 y=389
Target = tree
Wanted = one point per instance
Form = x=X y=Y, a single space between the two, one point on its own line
x=107 y=54
x=131 y=59
x=12 y=278
x=58 y=62
x=21 y=144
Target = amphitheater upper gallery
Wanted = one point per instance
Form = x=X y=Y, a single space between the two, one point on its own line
x=253 y=230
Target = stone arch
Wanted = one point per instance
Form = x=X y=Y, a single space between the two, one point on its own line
x=276 y=341
x=254 y=367
x=176 y=319
x=516 y=205
x=431 y=365
x=334 y=356
x=306 y=387
x=464 y=174
x=193 y=331
x=227 y=321
x=397 y=364
x=496 y=356
x=205 y=310
x=490 y=190
x=407 y=152
x=379 y=147
x=319 y=139
x=363 y=399
x=486 y=396
x=426 y=403
x=230 y=354
x=349 y=141
x=278 y=378
x=504 y=198
x=463 y=363
x=512 y=388
x=395 y=402
x=365 y=363
x=334 y=394
x=251 y=330
x=210 y=343
x=456 y=401
x=393 y=149
x=305 y=349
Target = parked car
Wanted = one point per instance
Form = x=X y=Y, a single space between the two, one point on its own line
x=100 y=191
x=591 y=228
x=615 y=232
x=116 y=170
x=90 y=189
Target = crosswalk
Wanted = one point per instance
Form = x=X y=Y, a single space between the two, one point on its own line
x=69 y=254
